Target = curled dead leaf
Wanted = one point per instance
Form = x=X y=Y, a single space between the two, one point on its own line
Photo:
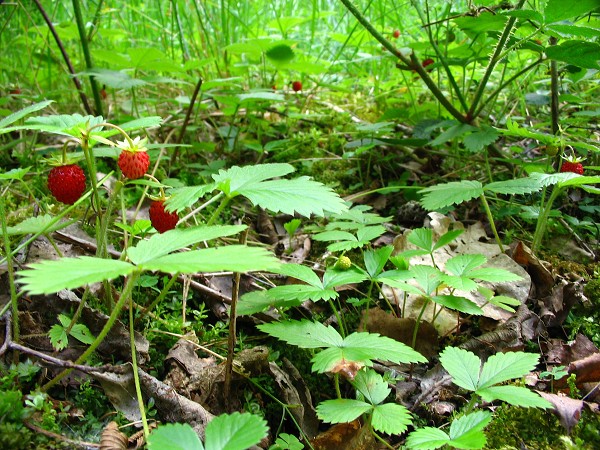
x=112 y=438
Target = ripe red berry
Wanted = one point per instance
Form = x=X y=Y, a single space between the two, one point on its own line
x=161 y=219
x=134 y=164
x=571 y=166
x=297 y=86
x=396 y=34
x=66 y=183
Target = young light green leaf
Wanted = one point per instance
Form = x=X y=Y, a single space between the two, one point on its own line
x=458 y=303
x=372 y=386
x=44 y=223
x=506 y=366
x=375 y=260
x=298 y=293
x=463 y=366
x=579 y=181
x=428 y=277
x=304 y=334
x=514 y=186
x=235 y=258
x=79 y=331
x=48 y=277
x=427 y=438
x=504 y=302
x=334 y=235
x=391 y=418
x=422 y=238
x=333 y=278
x=515 y=395
x=493 y=274
x=12 y=118
x=300 y=272
x=235 y=431
x=342 y=410
x=58 y=337
x=162 y=244
x=453 y=193
x=557 y=10
x=447 y=237
x=235 y=180
x=185 y=197
x=363 y=346
x=461 y=265
x=257 y=301
x=174 y=436
x=467 y=431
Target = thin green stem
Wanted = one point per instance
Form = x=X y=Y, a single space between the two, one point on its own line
x=136 y=377
x=336 y=382
x=418 y=322
x=411 y=62
x=11 y=273
x=218 y=211
x=125 y=295
x=490 y=217
x=87 y=55
x=542 y=221
x=493 y=62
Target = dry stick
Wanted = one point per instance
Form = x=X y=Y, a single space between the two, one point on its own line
x=188 y=114
x=76 y=81
x=235 y=292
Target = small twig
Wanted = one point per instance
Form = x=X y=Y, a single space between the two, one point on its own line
x=58 y=437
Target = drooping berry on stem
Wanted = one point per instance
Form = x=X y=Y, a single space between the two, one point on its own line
x=161 y=219
x=66 y=183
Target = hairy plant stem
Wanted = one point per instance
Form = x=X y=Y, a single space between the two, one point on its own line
x=11 y=276
x=136 y=377
x=418 y=322
x=218 y=211
x=87 y=55
x=411 y=62
x=125 y=295
x=554 y=91
x=490 y=217
x=493 y=62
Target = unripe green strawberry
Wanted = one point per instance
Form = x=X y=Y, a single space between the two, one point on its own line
x=66 y=183
x=161 y=219
x=343 y=263
x=133 y=160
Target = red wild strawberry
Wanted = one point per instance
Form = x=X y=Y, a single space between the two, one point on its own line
x=297 y=86
x=427 y=62
x=396 y=34
x=66 y=183
x=133 y=160
x=572 y=166
x=161 y=219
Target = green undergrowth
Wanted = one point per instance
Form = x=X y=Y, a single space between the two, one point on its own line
x=513 y=428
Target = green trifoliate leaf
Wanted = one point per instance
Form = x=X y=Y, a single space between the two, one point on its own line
x=506 y=366
x=302 y=273
x=504 y=302
x=454 y=193
x=304 y=334
x=467 y=431
x=463 y=366
x=447 y=237
x=298 y=293
x=162 y=244
x=235 y=258
x=235 y=431
x=422 y=238
x=334 y=277
x=59 y=339
x=342 y=410
x=515 y=395
x=391 y=418
x=427 y=438
x=429 y=278
x=69 y=273
x=366 y=346
x=69 y=125
x=174 y=436
x=478 y=140
x=579 y=181
x=462 y=265
x=79 y=331
x=493 y=274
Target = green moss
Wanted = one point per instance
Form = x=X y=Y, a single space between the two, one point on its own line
x=515 y=428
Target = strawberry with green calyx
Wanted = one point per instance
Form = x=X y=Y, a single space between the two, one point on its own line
x=66 y=180
x=133 y=160
x=572 y=164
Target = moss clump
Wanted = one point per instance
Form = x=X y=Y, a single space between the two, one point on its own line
x=592 y=291
x=515 y=428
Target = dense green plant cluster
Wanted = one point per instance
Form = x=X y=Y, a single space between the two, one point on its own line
x=484 y=108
